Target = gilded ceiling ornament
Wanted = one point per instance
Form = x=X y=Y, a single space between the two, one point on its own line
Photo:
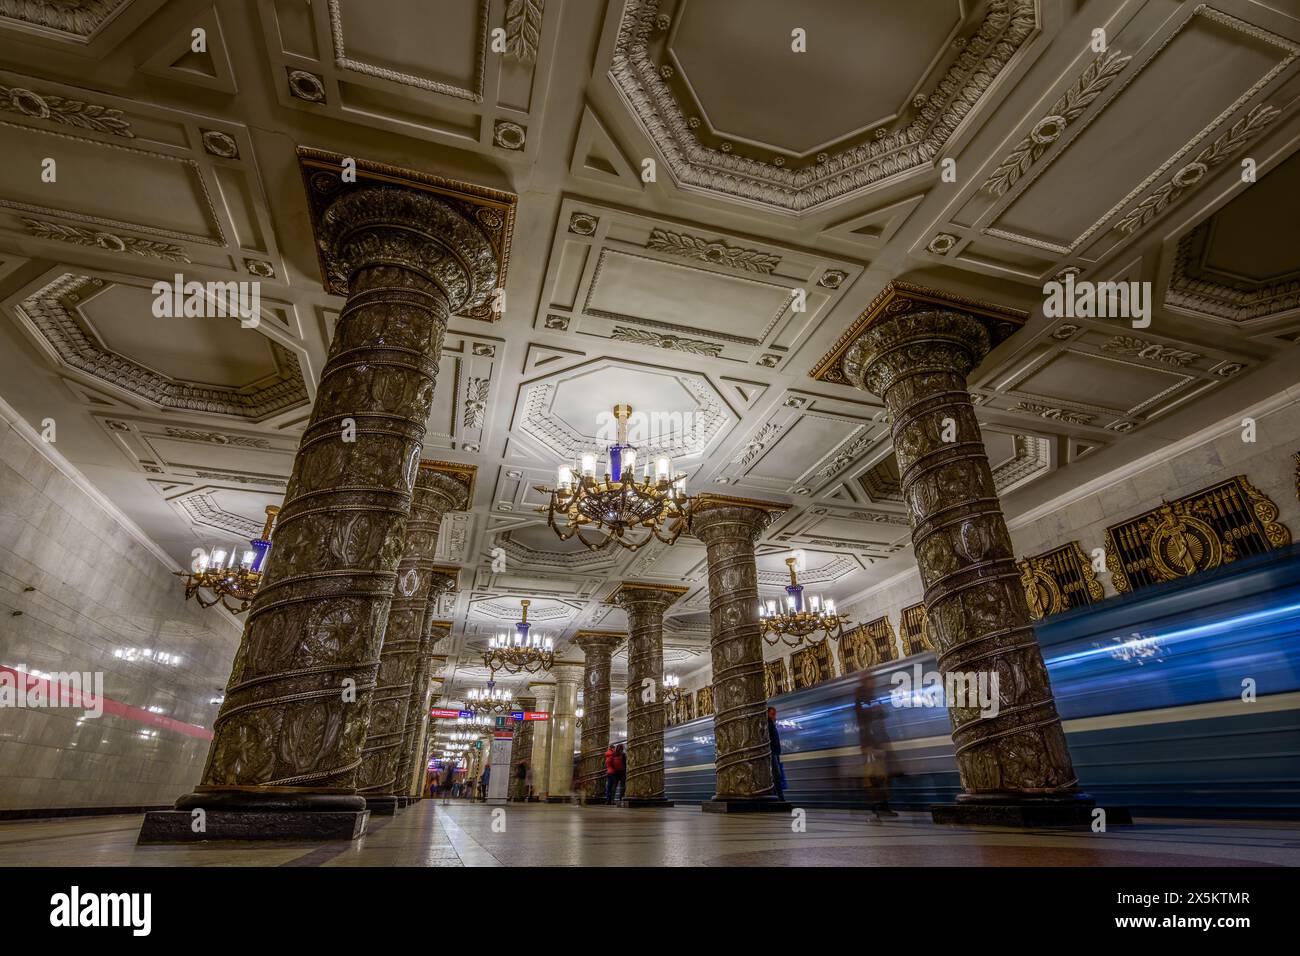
x=832 y=278
x=942 y=244
x=1243 y=131
x=63 y=111
x=714 y=252
x=508 y=135
x=1069 y=107
x=677 y=343
x=1151 y=351
x=582 y=224
x=219 y=144
x=476 y=395
x=1053 y=413
x=524 y=29
x=108 y=241
x=306 y=86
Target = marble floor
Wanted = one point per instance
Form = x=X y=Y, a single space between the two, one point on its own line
x=463 y=834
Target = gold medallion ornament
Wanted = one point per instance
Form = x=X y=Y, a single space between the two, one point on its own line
x=1058 y=580
x=1214 y=526
x=914 y=624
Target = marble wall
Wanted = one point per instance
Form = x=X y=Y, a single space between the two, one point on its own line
x=80 y=592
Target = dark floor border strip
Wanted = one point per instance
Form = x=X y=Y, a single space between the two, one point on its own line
x=46 y=812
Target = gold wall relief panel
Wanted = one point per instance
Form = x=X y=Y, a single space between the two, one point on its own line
x=1201 y=531
x=1058 y=580
x=867 y=645
x=812 y=665
x=776 y=678
x=914 y=624
x=704 y=702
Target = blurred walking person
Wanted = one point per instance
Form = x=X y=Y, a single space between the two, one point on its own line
x=774 y=747
x=877 y=758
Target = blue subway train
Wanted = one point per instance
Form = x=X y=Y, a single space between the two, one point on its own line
x=1181 y=698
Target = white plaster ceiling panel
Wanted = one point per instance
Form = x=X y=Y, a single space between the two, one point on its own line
x=144 y=186
x=1240 y=267
x=235 y=512
x=1187 y=95
x=936 y=74
x=91 y=25
x=1093 y=376
x=745 y=95
x=199 y=452
x=429 y=70
x=101 y=329
x=570 y=412
x=669 y=286
x=803 y=444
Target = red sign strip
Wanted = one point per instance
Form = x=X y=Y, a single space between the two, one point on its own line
x=80 y=699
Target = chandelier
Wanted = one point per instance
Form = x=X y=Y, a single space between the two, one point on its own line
x=482 y=721
x=672 y=688
x=607 y=496
x=800 y=617
x=232 y=585
x=524 y=652
x=489 y=700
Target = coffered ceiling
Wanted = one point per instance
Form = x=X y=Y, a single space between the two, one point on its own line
x=704 y=210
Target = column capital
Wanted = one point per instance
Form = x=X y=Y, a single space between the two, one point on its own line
x=452 y=481
x=445 y=577
x=627 y=593
x=567 y=672
x=455 y=234
x=598 y=641
x=844 y=363
x=710 y=513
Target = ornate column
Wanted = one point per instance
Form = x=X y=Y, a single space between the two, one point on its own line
x=598 y=646
x=403 y=660
x=645 y=605
x=407 y=250
x=541 y=758
x=915 y=350
x=423 y=688
x=729 y=527
x=522 y=751
x=559 y=783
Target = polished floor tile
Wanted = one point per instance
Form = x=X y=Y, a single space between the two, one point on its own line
x=464 y=834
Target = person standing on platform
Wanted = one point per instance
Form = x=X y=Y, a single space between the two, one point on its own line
x=774 y=746
x=611 y=774
x=620 y=773
x=483 y=783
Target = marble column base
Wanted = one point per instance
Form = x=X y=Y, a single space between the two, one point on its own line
x=645 y=802
x=1020 y=810
x=745 y=805
x=383 y=806
x=177 y=826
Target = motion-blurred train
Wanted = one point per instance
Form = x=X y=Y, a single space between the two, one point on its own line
x=1154 y=688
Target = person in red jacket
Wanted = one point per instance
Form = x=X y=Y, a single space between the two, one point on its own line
x=611 y=774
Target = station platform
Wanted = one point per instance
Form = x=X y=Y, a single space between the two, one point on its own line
x=458 y=833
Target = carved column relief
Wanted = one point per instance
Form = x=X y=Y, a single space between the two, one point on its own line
x=424 y=686
x=291 y=730
x=286 y=721
x=729 y=528
x=559 y=785
x=541 y=757
x=917 y=362
x=599 y=648
x=645 y=605
x=522 y=749
x=403 y=660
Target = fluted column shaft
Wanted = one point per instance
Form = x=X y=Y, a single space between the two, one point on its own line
x=403 y=670
x=559 y=784
x=743 y=757
x=645 y=606
x=298 y=701
x=918 y=364
x=599 y=648
x=541 y=757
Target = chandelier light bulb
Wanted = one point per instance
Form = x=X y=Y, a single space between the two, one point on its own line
x=589 y=466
